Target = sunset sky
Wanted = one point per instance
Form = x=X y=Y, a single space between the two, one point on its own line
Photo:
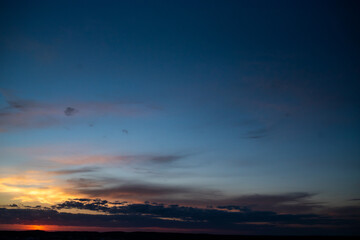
x=237 y=117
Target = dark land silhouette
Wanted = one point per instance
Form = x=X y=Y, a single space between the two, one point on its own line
x=43 y=235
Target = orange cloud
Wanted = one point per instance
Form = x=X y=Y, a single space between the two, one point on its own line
x=34 y=186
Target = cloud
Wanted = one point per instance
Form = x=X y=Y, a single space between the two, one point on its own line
x=91 y=159
x=193 y=214
x=165 y=158
x=115 y=188
x=21 y=113
x=88 y=204
x=257 y=128
x=87 y=183
x=258 y=133
x=232 y=207
x=25 y=113
x=23 y=105
x=33 y=186
x=141 y=190
x=24 y=186
x=164 y=217
x=37 y=186
x=297 y=202
x=273 y=199
x=127 y=190
x=285 y=203
x=69 y=111
x=117 y=159
x=352 y=211
x=83 y=199
x=262 y=130
x=74 y=171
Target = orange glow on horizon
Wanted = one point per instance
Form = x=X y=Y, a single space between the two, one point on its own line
x=58 y=228
x=22 y=227
x=37 y=227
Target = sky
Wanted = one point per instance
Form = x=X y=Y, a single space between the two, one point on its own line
x=230 y=117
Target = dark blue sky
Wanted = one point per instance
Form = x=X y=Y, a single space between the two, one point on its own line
x=252 y=104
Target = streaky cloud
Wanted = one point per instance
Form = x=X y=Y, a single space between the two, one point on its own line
x=136 y=189
x=119 y=159
x=26 y=114
x=74 y=171
x=118 y=188
x=165 y=158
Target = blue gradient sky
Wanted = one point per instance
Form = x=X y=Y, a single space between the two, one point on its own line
x=226 y=98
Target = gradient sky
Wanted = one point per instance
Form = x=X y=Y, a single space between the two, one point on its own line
x=187 y=116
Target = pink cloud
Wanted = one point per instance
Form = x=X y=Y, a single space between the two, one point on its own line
x=20 y=114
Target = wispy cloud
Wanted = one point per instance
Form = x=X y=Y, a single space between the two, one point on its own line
x=117 y=159
x=293 y=202
x=74 y=171
x=136 y=190
x=286 y=202
x=84 y=183
x=258 y=133
x=115 y=188
x=165 y=158
x=21 y=113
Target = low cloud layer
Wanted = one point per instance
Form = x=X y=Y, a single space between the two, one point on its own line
x=153 y=215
